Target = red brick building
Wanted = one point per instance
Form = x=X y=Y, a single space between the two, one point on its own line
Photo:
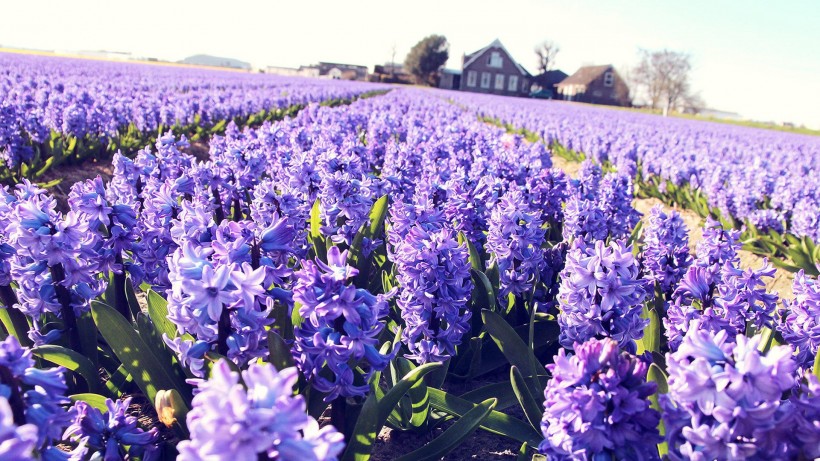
x=493 y=70
x=595 y=85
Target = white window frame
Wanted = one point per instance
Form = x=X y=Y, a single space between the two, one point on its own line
x=485 y=80
x=512 y=83
x=499 y=82
x=495 y=60
x=472 y=77
x=609 y=79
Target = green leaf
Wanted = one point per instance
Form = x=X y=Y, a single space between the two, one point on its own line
x=453 y=436
x=817 y=365
x=148 y=372
x=475 y=259
x=784 y=265
x=131 y=297
x=417 y=396
x=655 y=374
x=651 y=340
x=378 y=213
x=88 y=340
x=532 y=409
x=516 y=351
x=502 y=391
x=16 y=324
x=95 y=400
x=158 y=312
x=73 y=361
x=497 y=423
x=483 y=295
x=375 y=412
x=280 y=355
x=315 y=235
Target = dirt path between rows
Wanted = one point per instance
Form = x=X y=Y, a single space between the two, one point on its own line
x=781 y=283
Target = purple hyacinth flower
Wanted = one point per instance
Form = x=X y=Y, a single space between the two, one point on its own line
x=262 y=418
x=597 y=405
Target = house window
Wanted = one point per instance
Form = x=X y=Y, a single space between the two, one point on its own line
x=472 y=76
x=499 y=81
x=495 y=60
x=609 y=79
x=512 y=84
x=485 y=80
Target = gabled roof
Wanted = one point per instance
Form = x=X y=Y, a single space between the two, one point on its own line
x=550 y=78
x=472 y=57
x=585 y=75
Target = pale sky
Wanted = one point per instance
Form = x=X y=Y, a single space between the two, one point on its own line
x=760 y=59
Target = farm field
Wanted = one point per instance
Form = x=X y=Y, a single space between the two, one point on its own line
x=305 y=269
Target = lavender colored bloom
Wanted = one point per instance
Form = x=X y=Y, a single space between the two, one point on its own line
x=260 y=419
x=597 y=405
x=723 y=395
x=600 y=295
x=547 y=191
x=717 y=247
x=797 y=428
x=514 y=240
x=35 y=396
x=341 y=324
x=615 y=200
x=108 y=434
x=767 y=220
x=433 y=271
x=16 y=442
x=666 y=249
x=56 y=263
x=588 y=183
x=801 y=325
x=730 y=302
x=346 y=202
x=583 y=219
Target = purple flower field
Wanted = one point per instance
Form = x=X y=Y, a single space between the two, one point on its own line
x=349 y=268
x=767 y=177
x=44 y=99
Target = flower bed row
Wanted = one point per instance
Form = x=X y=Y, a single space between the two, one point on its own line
x=63 y=109
x=757 y=181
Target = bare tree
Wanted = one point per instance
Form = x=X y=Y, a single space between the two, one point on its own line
x=664 y=77
x=546 y=52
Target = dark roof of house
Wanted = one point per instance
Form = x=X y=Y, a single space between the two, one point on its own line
x=470 y=58
x=550 y=78
x=585 y=75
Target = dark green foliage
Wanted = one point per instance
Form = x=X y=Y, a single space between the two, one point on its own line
x=426 y=58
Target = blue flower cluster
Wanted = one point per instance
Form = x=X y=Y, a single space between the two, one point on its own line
x=340 y=327
x=718 y=295
x=800 y=324
x=601 y=295
x=597 y=405
x=261 y=419
x=514 y=240
x=666 y=249
x=33 y=405
x=433 y=271
x=599 y=206
x=725 y=401
x=108 y=434
x=55 y=262
x=226 y=281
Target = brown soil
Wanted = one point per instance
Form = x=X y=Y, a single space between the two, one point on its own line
x=481 y=445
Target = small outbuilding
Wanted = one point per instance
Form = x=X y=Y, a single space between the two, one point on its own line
x=595 y=85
